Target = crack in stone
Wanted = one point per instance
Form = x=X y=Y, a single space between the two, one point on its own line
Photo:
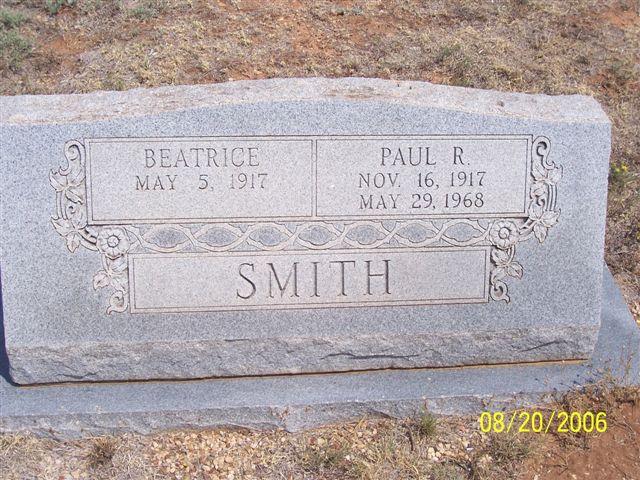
x=542 y=345
x=366 y=357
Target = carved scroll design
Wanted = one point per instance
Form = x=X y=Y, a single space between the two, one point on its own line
x=504 y=235
x=70 y=221
x=115 y=242
x=336 y=235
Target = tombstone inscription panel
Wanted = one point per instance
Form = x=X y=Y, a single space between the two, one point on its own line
x=154 y=201
x=305 y=228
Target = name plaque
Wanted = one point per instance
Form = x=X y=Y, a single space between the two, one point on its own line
x=233 y=223
x=298 y=178
x=307 y=279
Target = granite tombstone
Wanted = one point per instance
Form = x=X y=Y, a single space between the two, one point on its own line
x=298 y=226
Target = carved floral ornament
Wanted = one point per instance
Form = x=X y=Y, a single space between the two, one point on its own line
x=115 y=242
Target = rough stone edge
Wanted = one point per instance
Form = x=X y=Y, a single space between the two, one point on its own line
x=102 y=105
x=225 y=358
x=307 y=401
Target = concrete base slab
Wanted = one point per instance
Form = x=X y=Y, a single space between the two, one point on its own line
x=297 y=402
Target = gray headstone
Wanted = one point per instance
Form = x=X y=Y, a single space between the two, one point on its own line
x=298 y=225
x=296 y=402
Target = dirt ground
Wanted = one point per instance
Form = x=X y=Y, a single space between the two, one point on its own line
x=556 y=47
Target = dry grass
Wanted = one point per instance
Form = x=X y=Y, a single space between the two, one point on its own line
x=14 y=48
x=101 y=452
x=427 y=425
x=369 y=450
x=27 y=457
x=21 y=456
x=503 y=455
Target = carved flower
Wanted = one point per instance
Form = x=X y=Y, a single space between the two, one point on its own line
x=504 y=234
x=113 y=242
x=542 y=220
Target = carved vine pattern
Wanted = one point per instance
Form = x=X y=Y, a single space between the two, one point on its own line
x=115 y=242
